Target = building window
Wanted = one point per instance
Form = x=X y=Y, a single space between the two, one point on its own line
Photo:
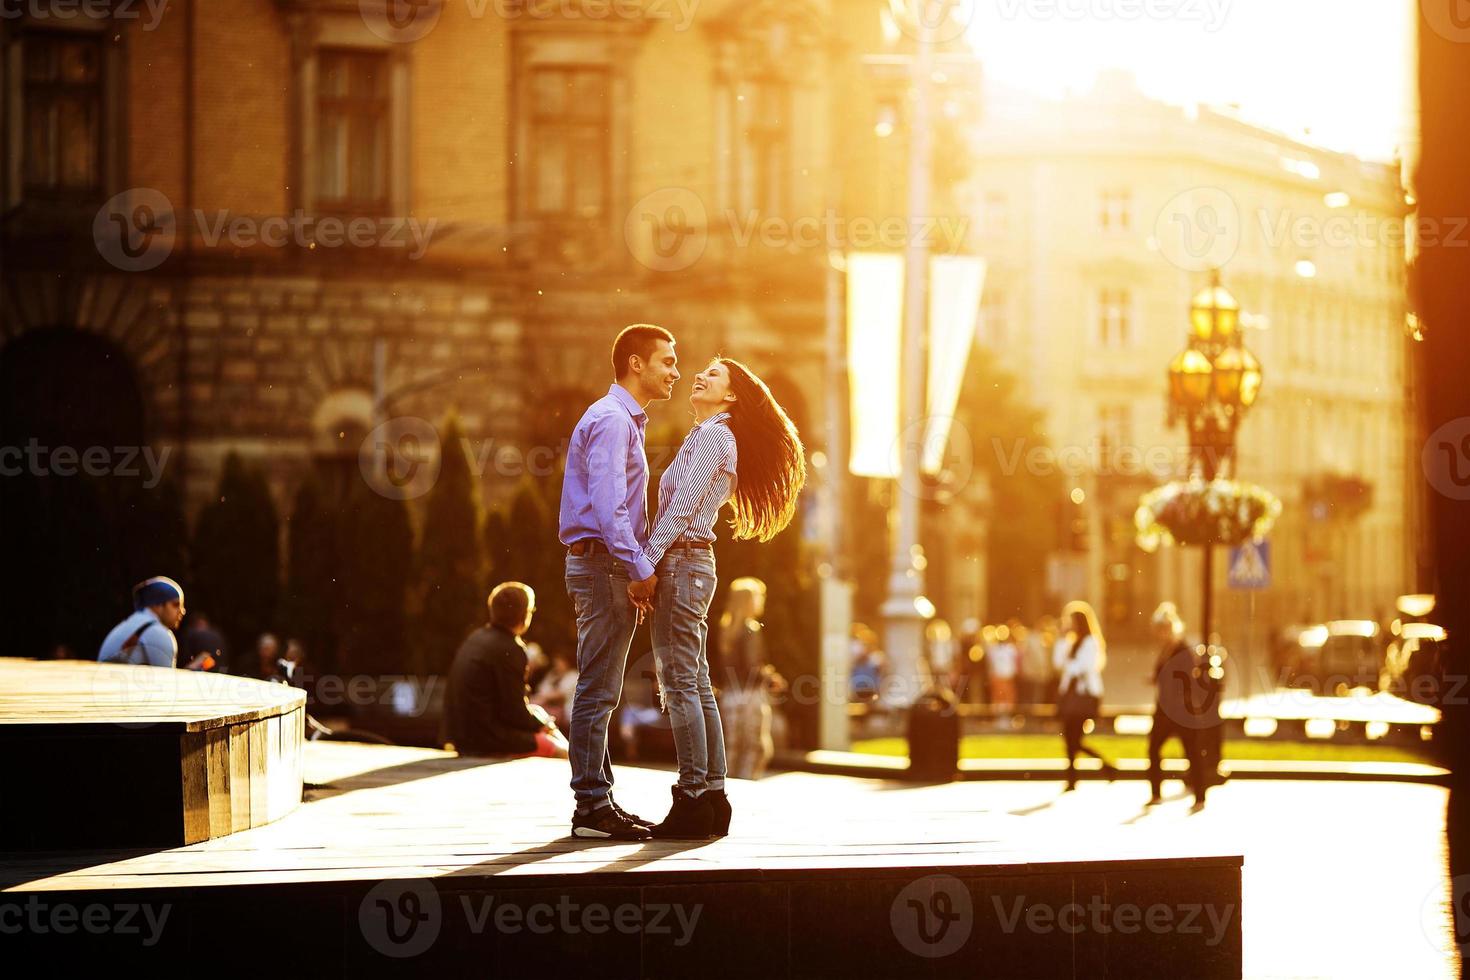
x=1115 y=428
x=352 y=137
x=765 y=109
x=1116 y=211
x=768 y=59
x=569 y=118
x=1114 y=323
x=62 y=115
x=996 y=218
x=994 y=323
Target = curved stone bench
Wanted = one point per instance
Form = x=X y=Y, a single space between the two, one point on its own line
x=115 y=755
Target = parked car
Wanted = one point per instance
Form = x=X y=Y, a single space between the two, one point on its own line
x=1286 y=651
x=1414 y=666
x=1335 y=657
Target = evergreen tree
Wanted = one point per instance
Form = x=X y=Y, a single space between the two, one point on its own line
x=84 y=591
x=496 y=545
x=375 y=554
x=26 y=573
x=450 y=557
x=1006 y=426
x=309 y=601
x=237 y=557
x=523 y=544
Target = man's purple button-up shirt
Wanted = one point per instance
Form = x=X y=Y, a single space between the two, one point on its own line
x=605 y=492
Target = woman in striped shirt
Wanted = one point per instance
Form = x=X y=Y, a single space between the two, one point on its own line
x=738 y=426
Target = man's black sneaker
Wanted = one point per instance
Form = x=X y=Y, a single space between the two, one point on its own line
x=608 y=823
x=631 y=817
x=719 y=805
x=690 y=818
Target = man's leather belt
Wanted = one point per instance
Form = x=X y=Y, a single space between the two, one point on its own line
x=592 y=546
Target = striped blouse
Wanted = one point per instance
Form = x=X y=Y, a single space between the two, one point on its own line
x=694 y=487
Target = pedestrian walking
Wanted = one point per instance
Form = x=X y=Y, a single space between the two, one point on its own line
x=1176 y=678
x=748 y=682
x=1079 y=695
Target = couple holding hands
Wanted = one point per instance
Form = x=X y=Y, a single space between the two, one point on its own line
x=744 y=451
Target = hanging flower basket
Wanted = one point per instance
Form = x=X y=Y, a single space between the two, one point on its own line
x=1193 y=512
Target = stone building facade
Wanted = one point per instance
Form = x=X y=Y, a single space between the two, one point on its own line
x=1104 y=214
x=526 y=180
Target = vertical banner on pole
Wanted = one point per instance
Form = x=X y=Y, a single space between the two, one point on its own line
x=836 y=663
x=874 y=329
x=955 y=284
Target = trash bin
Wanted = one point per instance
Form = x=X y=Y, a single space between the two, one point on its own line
x=934 y=738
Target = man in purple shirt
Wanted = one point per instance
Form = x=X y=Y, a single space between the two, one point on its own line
x=604 y=524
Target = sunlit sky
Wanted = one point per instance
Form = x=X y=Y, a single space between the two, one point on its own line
x=1344 y=69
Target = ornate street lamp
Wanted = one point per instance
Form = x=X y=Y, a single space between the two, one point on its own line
x=1213 y=383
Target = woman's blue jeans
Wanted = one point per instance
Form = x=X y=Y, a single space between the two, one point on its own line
x=686 y=586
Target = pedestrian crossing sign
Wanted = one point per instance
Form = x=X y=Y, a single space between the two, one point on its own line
x=1250 y=565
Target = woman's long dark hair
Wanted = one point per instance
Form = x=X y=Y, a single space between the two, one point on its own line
x=771 y=461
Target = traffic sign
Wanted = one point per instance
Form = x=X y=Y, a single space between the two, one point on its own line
x=1250 y=565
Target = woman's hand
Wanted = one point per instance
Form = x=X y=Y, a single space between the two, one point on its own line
x=641 y=602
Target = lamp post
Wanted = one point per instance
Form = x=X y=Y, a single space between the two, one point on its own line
x=1213 y=382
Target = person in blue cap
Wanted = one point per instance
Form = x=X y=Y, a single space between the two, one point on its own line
x=147 y=637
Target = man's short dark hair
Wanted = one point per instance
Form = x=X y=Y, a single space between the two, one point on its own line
x=509 y=602
x=640 y=339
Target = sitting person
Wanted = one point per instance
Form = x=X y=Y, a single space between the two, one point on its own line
x=558 y=687
x=485 y=709
x=146 y=637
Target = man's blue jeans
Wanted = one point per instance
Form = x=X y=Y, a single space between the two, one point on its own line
x=686 y=586
x=598 y=587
